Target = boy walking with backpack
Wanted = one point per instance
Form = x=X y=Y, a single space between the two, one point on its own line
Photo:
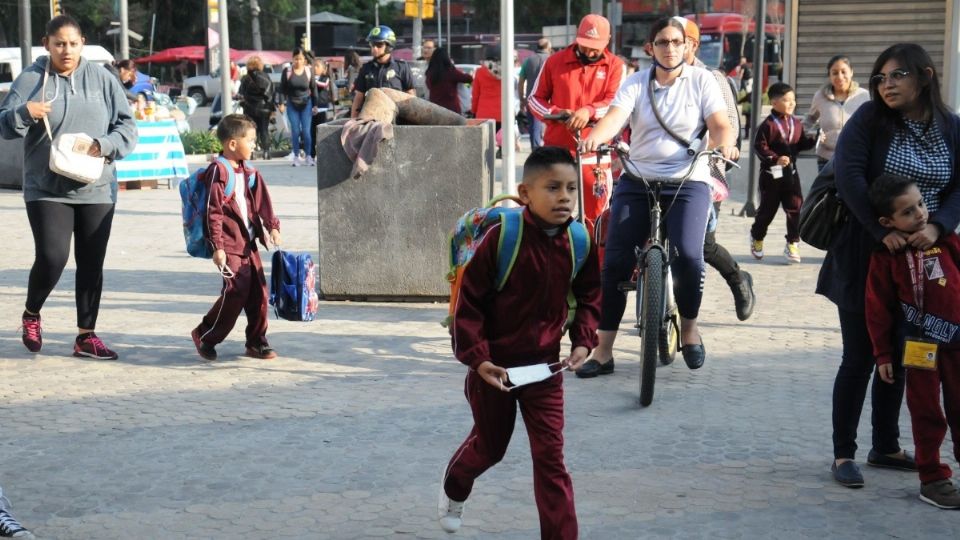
x=913 y=307
x=779 y=139
x=509 y=335
x=234 y=223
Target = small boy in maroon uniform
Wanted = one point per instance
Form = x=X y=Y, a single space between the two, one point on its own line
x=913 y=308
x=779 y=139
x=234 y=224
x=521 y=325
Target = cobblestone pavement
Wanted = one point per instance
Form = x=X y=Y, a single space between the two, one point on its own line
x=345 y=435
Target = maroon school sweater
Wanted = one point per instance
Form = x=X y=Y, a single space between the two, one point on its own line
x=891 y=310
x=523 y=323
x=225 y=224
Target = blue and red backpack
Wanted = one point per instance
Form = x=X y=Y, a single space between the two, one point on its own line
x=473 y=227
x=195 y=196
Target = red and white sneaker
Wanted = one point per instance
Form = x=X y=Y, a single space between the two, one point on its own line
x=32 y=332
x=90 y=346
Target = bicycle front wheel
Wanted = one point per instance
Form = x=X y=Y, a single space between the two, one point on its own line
x=651 y=315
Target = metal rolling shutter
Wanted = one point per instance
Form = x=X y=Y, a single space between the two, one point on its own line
x=861 y=29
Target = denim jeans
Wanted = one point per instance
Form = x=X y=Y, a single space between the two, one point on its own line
x=300 y=127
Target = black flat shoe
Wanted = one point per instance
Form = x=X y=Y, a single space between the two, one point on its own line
x=906 y=463
x=847 y=474
x=694 y=355
x=592 y=368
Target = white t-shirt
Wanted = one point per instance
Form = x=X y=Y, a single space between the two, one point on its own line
x=693 y=96
x=240 y=192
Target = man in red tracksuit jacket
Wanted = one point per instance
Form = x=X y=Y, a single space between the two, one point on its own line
x=915 y=294
x=234 y=237
x=580 y=80
x=522 y=325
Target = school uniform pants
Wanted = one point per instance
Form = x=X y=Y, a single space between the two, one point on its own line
x=494 y=415
x=929 y=423
x=850 y=390
x=246 y=291
x=53 y=225
x=685 y=212
x=775 y=193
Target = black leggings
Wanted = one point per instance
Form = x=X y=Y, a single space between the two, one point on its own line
x=53 y=225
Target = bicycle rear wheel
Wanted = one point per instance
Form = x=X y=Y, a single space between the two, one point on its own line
x=652 y=319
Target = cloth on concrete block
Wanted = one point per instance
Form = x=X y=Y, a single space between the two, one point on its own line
x=360 y=139
x=421 y=112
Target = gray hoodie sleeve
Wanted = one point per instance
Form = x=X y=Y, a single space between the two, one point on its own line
x=121 y=137
x=15 y=119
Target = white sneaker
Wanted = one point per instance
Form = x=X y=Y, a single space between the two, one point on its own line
x=288 y=157
x=296 y=162
x=311 y=162
x=449 y=512
x=792 y=252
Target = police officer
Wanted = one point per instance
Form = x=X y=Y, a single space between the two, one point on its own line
x=382 y=71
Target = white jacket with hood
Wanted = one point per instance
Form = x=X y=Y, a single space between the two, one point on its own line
x=90 y=100
x=832 y=115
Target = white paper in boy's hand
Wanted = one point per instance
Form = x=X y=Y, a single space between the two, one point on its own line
x=523 y=375
x=776 y=171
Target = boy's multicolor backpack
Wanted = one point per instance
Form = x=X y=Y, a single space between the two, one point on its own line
x=195 y=196
x=293 y=286
x=473 y=226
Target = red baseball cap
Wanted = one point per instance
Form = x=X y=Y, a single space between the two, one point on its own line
x=594 y=32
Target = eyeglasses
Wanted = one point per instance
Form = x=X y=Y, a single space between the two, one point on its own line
x=664 y=43
x=896 y=76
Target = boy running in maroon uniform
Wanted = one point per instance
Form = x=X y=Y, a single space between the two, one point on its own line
x=521 y=325
x=913 y=307
x=234 y=225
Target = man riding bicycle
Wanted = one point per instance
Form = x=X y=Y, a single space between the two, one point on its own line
x=689 y=104
x=580 y=81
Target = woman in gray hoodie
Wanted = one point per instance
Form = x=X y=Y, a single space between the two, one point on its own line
x=833 y=105
x=78 y=97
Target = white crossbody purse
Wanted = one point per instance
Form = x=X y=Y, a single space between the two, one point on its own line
x=68 y=151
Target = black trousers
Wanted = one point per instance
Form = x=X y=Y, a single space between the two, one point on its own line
x=262 y=120
x=850 y=390
x=316 y=120
x=53 y=225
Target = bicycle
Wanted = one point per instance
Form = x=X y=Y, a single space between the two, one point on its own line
x=655 y=308
x=563 y=117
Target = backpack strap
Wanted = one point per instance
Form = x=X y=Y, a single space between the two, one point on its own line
x=511 y=233
x=579 y=246
x=231 y=176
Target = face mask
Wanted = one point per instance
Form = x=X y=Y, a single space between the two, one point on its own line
x=524 y=375
x=586 y=60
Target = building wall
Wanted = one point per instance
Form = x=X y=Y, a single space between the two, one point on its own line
x=862 y=29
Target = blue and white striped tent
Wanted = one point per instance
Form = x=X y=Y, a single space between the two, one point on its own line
x=157 y=156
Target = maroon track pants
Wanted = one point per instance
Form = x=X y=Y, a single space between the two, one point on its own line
x=245 y=291
x=777 y=193
x=929 y=424
x=494 y=414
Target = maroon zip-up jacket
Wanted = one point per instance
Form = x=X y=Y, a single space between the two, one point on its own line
x=891 y=311
x=771 y=143
x=225 y=226
x=523 y=323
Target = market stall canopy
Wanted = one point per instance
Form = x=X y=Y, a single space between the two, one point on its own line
x=328 y=18
x=190 y=53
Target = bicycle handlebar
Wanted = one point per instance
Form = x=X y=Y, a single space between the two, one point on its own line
x=622 y=151
x=562 y=117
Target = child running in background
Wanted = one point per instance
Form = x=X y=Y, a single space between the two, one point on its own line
x=779 y=139
x=521 y=325
x=234 y=224
x=913 y=307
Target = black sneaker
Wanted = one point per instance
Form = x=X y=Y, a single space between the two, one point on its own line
x=261 y=352
x=905 y=463
x=10 y=528
x=743 y=295
x=942 y=494
x=205 y=350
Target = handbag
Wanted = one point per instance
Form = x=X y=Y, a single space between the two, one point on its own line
x=822 y=213
x=68 y=151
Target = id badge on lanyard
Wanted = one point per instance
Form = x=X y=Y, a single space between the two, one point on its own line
x=918 y=352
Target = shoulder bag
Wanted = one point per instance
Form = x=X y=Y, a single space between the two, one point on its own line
x=822 y=213
x=68 y=151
